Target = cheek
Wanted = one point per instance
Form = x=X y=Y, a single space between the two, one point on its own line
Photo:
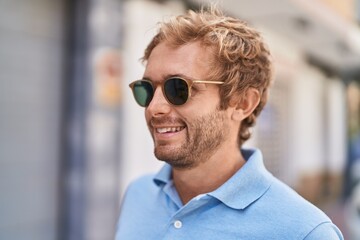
x=147 y=117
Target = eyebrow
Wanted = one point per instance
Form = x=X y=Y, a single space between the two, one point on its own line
x=169 y=76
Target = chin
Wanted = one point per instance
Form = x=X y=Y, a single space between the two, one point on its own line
x=164 y=154
x=176 y=160
x=167 y=150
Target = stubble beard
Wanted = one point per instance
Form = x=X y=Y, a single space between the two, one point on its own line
x=204 y=136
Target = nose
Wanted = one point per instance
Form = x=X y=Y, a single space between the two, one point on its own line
x=159 y=105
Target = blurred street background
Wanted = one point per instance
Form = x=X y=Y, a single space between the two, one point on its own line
x=72 y=137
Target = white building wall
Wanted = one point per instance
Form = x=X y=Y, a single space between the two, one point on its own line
x=307 y=121
x=336 y=126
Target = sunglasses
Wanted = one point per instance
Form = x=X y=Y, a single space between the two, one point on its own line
x=175 y=89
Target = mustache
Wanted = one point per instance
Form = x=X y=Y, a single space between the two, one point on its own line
x=165 y=120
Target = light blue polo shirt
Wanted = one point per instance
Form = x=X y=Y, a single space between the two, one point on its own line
x=252 y=205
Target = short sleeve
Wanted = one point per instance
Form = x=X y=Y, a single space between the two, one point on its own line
x=326 y=231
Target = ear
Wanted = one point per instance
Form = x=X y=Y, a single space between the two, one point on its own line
x=245 y=104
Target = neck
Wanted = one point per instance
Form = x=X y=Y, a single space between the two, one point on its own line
x=208 y=175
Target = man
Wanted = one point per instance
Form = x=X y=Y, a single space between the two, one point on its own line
x=206 y=80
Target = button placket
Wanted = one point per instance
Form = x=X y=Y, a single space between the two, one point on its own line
x=177 y=224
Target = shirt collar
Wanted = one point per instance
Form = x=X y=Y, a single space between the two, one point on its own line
x=247 y=185
x=163 y=176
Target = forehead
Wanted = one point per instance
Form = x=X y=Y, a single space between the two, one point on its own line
x=192 y=60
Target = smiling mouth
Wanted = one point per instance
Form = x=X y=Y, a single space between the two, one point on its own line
x=169 y=129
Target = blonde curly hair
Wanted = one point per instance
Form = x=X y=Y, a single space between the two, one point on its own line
x=241 y=58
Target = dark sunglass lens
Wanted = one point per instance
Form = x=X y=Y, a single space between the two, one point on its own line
x=143 y=93
x=176 y=91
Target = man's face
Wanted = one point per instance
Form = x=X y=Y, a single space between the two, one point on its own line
x=186 y=135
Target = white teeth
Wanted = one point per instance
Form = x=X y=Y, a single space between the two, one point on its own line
x=167 y=130
x=161 y=130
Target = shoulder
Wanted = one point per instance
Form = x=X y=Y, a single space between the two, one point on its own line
x=289 y=204
x=137 y=210
x=138 y=195
x=301 y=218
x=142 y=180
x=325 y=230
x=141 y=186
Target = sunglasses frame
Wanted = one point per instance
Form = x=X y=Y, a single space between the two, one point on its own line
x=189 y=83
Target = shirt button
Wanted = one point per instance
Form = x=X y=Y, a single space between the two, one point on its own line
x=177 y=224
